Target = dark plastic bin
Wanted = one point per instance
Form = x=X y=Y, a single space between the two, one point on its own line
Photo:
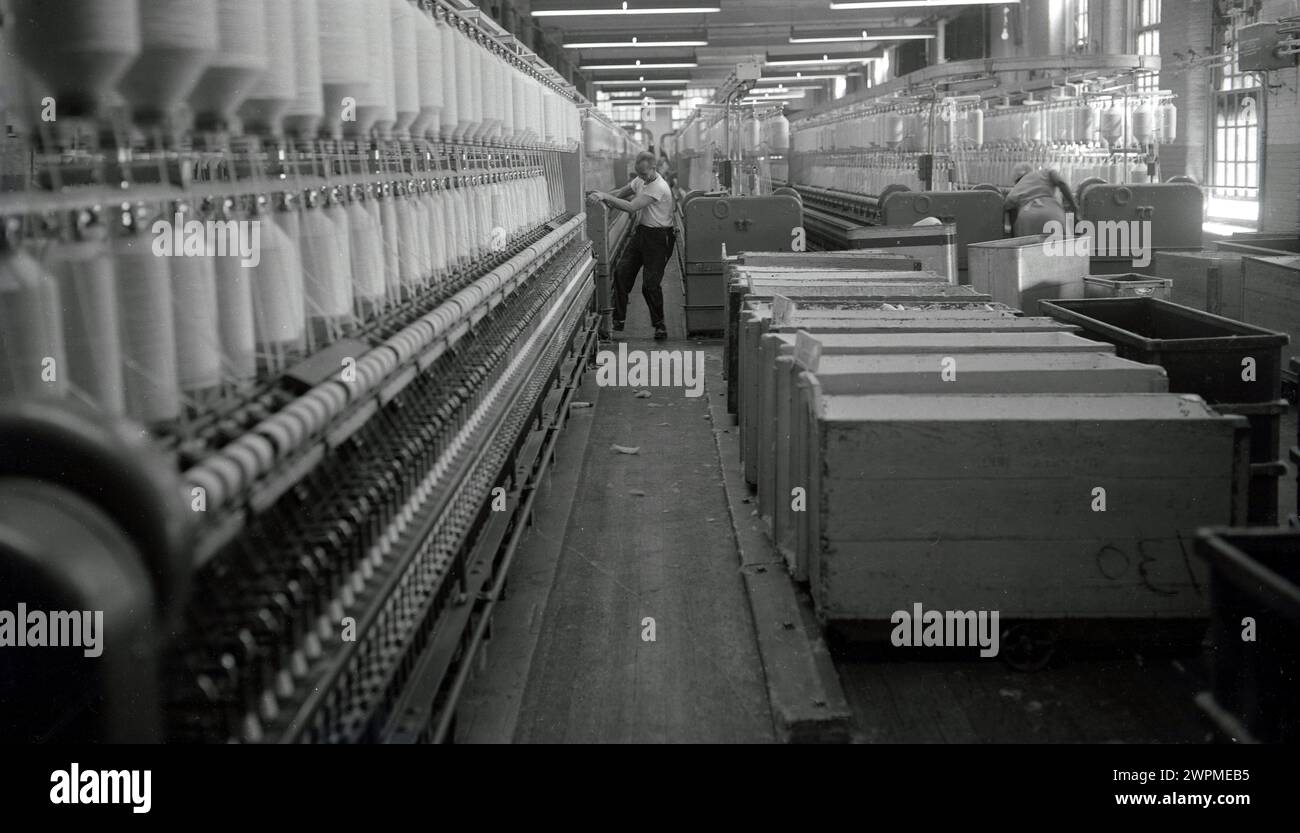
x=1255 y=685
x=1201 y=352
x=1127 y=285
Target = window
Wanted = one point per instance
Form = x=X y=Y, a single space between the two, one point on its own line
x=1235 y=172
x=1082 y=27
x=1148 y=40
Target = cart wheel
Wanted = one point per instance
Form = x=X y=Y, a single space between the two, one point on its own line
x=1028 y=647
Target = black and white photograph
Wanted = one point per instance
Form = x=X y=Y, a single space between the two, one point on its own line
x=900 y=374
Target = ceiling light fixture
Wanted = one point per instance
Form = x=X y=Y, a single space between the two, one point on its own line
x=801 y=76
x=629 y=82
x=634 y=43
x=917 y=4
x=824 y=60
x=640 y=65
x=839 y=36
x=661 y=7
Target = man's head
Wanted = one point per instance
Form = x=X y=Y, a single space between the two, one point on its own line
x=646 y=163
x=1020 y=171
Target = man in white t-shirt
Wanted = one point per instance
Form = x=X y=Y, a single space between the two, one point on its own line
x=651 y=207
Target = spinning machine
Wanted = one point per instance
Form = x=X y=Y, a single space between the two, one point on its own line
x=293 y=295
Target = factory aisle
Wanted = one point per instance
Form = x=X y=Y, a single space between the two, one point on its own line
x=648 y=536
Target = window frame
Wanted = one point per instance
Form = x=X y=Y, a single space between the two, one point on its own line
x=1236 y=162
x=1148 y=15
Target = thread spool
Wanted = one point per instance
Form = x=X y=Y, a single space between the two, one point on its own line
x=1169 y=123
x=78 y=50
x=490 y=86
x=279 y=287
x=449 y=122
x=345 y=66
x=466 y=97
x=302 y=118
x=1144 y=125
x=464 y=252
x=533 y=111
x=483 y=220
x=406 y=68
x=148 y=329
x=548 y=118
x=194 y=307
x=366 y=250
x=431 y=235
x=407 y=256
x=277 y=90
x=428 y=60
x=1085 y=124
x=329 y=297
x=423 y=218
x=447 y=231
x=236 y=69
x=31 y=331
x=236 y=320
x=387 y=211
x=508 y=103
x=87 y=292
x=894 y=130
x=178 y=39
x=519 y=106
x=377 y=105
x=780 y=133
x=327 y=271
x=437 y=243
x=1112 y=125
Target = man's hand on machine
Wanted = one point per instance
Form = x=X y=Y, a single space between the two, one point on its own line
x=595 y=197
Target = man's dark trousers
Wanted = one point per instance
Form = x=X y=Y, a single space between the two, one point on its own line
x=647 y=252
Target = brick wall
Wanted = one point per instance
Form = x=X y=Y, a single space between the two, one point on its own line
x=1187 y=25
x=1280 y=200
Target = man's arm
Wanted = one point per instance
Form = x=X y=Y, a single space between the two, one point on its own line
x=621 y=194
x=1069 y=203
x=623 y=205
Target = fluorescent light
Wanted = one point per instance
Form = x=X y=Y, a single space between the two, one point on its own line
x=918 y=4
x=823 y=61
x=801 y=77
x=637 y=95
x=639 y=65
x=858 y=38
x=763 y=98
x=626 y=9
x=627 y=82
x=634 y=43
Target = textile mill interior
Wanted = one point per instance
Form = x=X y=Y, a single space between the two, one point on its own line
x=660 y=371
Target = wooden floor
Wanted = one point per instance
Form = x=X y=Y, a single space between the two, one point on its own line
x=642 y=536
